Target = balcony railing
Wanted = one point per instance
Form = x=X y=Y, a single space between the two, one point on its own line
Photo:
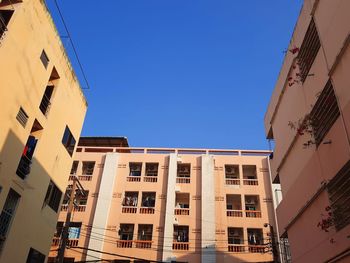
x=180 y=246
x=144 y=244
x=85 y=177
x=234 y=213
x=146 y=210
x=124 y=243
x=129 y=209
x=150 y=179
x=236 y=248
x=256 y=248
x=79 y=208
x=182 y=211
x=183 y=180
x=23 y=168
x=45 y=105
x=55 y=242
x=252 y=213
x=232 y=181
x=3 y=27
x=133 y=178
x=250 y=181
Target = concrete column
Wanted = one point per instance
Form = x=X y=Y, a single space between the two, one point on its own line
x=169 y=211
x=104 y=202
x=208 y=210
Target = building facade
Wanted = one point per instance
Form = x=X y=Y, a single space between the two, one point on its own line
x=309 y=119
x=180 y=205
x=38 y=130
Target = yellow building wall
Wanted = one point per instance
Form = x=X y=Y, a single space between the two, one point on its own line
x=23 y=80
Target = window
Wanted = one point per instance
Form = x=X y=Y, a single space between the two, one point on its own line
x=308 y=50
x=151 y=169
x=126 y=231
x=324 y=113
x=22 y=117
x=231 y=171
x=145 y=232
x=74 y=230
x=135 y=169
x=88 y=168
x=53 y=196
x=34 y=256
x=249 y=172
x=183 y=170
x=44 y=59
x=181 y=233
x=5 y=16
x=45 y=101
x=339 y=196
x=68 y=141
x=74 y=168
x=82 y=197
x=148 y=199
x=255 y=236
x=130 y=199
x=59 y=229
x=235 y=235
x=7 y=214
x=25 y=162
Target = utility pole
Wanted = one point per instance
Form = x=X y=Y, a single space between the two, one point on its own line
x=65 y=230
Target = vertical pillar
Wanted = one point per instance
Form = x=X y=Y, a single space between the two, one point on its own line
x=208 y=210
x=169 y=209
x=103 y=203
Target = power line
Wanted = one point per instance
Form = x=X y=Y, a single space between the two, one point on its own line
x=73 y=46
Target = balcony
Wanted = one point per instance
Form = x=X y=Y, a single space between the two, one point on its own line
x=254 y=214
x=182 y=211
x=234 y=213
x=85 y=177
x=232 y=175
x=143 y=244
x=146 y=210
x=129 y=210
x=133 y=179
x=150 y=179
x=183 y=180
x=79 y=208
x=55 y=242
x=180 y=246
x=236 y=248
x=182 y=204
x=250 y=175
x=72 y=242
x=23 y=168
x=250 y=182
x=124 y=243
x=256 y=248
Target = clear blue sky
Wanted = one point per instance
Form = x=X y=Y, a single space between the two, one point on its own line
x=179 y=73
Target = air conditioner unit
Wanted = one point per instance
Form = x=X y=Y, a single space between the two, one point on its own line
x=184 y=169
x=250 y=201
x=152 y=168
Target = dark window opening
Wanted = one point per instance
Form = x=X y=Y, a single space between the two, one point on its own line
x=308 y=50
x=45 y=101
x=151 y=169
x=130 y=199
x=74 y=168
x=35 y=256
x=183 y=170
x=255 y=236
x=231 y=171
x=7 y=215
x=135 y=169
x=145 y=232
x=339 y=196
x=88 y=168
x=68 y=141
x=181 y=233
x=53 y=196
x=235 y=235
x=5 y=17
x=324 y=113
x=22 y=117
x=44 y=58
x=126 y=231
x=148 y=199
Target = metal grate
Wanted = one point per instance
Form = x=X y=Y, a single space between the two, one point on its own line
x=7 y=214
x=324 y=113
x=339 y=196
x=22 y=117
x=308 y=50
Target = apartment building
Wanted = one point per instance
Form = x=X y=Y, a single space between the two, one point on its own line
x=168 y=205
x=309 y=119
x=38 y=131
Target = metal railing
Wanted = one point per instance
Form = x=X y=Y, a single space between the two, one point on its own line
x=23 y=168
x=45 y=105
x=3 y=26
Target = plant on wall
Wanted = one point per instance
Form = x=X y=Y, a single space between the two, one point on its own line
x=305 y=126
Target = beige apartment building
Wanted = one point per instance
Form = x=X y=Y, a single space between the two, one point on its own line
x=309 y=119
x=168 y=205
x=38 y=129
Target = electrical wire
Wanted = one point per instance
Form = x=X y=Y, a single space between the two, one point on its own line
x=73 y=46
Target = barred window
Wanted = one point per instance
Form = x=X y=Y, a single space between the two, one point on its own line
x=324 y=113
x=339 y=196
x=53 y=196
x=308 y=50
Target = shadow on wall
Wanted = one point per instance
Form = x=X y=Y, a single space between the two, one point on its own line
x=33 y=201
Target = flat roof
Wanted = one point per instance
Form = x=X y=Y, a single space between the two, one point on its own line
x=103 y=141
